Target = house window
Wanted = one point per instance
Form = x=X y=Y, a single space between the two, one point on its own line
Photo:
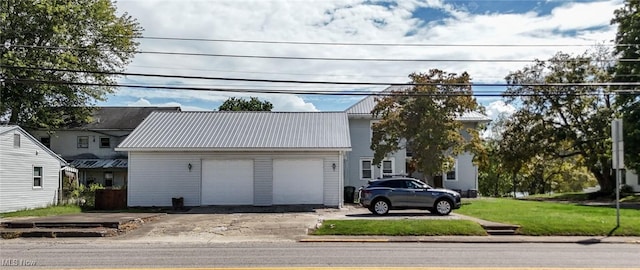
x=387 y=167
x=37 y=177
x=452 y=175
x=105 y=142
x=83 y=141
x=46 y=141
x=16 y=140
x=366 y=169
x=108 y=179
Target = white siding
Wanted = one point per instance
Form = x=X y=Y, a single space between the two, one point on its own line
x=333 y=181
x=156 y=177
x=16 y=174
x=466 y=174
x=263 y=181
x=65 y=143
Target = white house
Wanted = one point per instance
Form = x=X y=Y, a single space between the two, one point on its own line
x=360 y=167
x=30 y=173
x=91 y=147
x=238 y=158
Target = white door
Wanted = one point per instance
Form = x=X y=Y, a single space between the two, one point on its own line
x=227 y=182
x=298 y=181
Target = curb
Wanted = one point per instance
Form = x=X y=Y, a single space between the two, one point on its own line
x=473 y=240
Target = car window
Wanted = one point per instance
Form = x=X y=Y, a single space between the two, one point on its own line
x=395 y=184
x=415 y=184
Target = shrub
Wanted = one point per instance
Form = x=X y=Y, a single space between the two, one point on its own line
x=85 y=196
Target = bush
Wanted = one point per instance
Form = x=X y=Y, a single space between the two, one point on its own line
x=85 y=196
x=626 y=189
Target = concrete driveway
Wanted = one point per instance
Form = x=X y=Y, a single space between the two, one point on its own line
x=238 y=224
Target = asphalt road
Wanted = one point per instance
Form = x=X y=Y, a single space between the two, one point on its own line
x=35 y=253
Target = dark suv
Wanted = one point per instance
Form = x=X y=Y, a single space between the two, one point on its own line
x=407 y=193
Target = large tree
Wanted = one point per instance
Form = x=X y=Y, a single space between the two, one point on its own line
x=628 y=70
x=562 y=113
x=41 y=39
x=424 y=118
x=240 y=104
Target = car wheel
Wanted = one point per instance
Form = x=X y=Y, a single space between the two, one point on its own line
x=380 y=207
x=443 y=207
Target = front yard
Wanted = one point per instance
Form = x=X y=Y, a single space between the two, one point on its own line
x=535 y=218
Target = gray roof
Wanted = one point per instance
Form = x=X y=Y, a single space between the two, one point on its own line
x=99 y=163
x=4 y=129
x=366 y=105
x=240 y=131
x=120 y=118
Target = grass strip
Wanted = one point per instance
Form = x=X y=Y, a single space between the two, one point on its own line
x=412 y=227
x=46 y=211
x=551 y=218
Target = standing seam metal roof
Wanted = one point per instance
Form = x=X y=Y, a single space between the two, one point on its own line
x=240 y=130
x=366 y=105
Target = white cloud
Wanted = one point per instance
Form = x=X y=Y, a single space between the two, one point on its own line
x=499 y=107
x=145 y=103
x=351 y=21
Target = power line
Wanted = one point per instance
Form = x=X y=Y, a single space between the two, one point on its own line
x=371 y=44
x=593 y=84
x=320 y=58
x=296 y=92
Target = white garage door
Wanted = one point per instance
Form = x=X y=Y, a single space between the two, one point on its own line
x=227 y=182
x=298 y=181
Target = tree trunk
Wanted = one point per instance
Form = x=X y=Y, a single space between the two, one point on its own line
x=607 y=181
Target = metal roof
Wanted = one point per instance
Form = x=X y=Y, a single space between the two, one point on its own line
x=4 y=129
x=99 y=163
x=240 y=131
x=366 y=105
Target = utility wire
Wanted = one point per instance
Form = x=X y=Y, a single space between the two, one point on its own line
x=296 y=92
x=320 y=58
x=373 y=44
x=601 y=84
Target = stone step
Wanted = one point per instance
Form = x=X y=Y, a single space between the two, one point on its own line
x=60 y=224
x=9 y=233
x=501 y=232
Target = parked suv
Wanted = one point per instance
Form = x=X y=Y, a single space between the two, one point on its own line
x=382 y=195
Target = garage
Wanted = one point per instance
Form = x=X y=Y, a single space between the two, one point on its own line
x=298 y=181
x=227 y=182
x=237 y=158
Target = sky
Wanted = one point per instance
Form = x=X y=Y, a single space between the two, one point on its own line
x=348 y=29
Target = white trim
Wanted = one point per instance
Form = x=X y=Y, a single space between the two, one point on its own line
x=361 y=168
x=455 y=170
x=33 y=178
x=393 y=167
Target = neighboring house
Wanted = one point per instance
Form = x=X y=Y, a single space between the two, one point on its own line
x=360 y=167
x=632 y=179
x=30 y=173
x=238 y=158
x=91 y=147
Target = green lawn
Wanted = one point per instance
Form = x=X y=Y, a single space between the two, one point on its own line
x=549 y=218
x=399 y=227
x=47 y=211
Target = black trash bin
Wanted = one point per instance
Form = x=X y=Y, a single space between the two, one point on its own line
x=472 y=193
x=177 y=203
x=349 y=192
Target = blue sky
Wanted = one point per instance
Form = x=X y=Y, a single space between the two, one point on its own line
x=554 y=22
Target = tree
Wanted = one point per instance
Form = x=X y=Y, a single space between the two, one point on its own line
x=424 y=118
x=628 y=20
x=564 y=120
x=240 y=104
x=43 y=40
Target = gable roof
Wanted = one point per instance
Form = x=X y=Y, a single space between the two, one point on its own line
x=122 y=117
x=6 y=129
x=366 y=105
x=240 y=131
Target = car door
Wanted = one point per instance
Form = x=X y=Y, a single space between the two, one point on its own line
x=422 y=197
x=398 y=193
